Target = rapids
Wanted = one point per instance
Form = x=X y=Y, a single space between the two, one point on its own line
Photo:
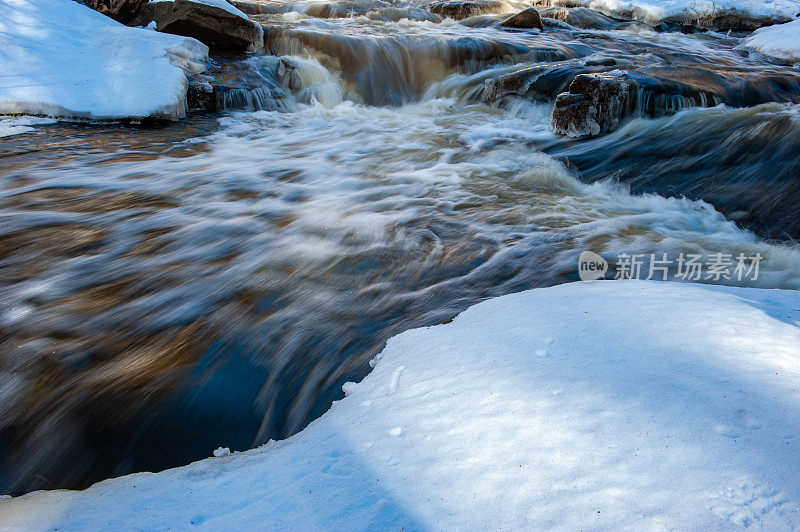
x=169 y=288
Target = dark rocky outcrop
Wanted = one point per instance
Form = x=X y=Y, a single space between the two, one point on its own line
x=595 y=104
x=218 y=28
x=201 y=97
x=461 y=9
x=541 y=82
x=720 y=22
x=527 y=19
x=598 y=103
x=124 y=11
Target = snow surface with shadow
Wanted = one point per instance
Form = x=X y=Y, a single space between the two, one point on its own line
x=611 y=404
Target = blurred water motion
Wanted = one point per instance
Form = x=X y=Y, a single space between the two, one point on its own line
x=169 y=289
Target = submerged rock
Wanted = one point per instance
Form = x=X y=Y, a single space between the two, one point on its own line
x=124 y=11
x=461 y=9
x=526 y=19
x=581 y=17
x=595 y=104
x=221 y=27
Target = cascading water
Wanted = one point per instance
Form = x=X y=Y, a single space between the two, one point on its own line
x=167 y=289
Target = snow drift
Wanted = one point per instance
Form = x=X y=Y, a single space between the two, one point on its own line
x=781 y=41
x=62 y=59
x=605 y=405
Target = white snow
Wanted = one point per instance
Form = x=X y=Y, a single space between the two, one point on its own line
x=655 y=11
x=781 y=41
x=222 y=4
x=610 y=404
x=59 y=58
x=17 y=125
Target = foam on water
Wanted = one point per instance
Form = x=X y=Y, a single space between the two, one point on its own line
x=278 y=249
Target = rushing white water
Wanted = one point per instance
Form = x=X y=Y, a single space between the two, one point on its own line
x=224 y=276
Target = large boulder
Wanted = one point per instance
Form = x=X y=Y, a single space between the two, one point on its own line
x=540 y=82
x=598 y=103
x=595 y=104
x=216 y=23
x=461 y=9
x=527 y=19
x=124 y=11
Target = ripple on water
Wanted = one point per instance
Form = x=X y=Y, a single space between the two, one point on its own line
x=236 y=279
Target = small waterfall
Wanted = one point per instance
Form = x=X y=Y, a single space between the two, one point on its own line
x=396 y=67
x=255 y=99
x=273 y=84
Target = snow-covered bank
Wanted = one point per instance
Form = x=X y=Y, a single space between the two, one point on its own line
x=657 y=11
x=17 y=125
x=781 y=41
x=60 y=58
x=608 y=404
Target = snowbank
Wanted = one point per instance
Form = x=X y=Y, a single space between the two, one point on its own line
x=781 y=41
x=60 y=58
x=609 y=404
x=656 y=11
x=17 y=125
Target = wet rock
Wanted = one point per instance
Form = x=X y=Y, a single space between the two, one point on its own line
x=461 y=9
x=598 y=103
x=595 y=104
x=253 y=84
x=601 y=61
x=745 y=162
x=256 y=7
x=541 y=82
x=124 y=11
x=201 y=97
x=720 y=22
x=216 y=27
x=581 y=17
x=526 y=19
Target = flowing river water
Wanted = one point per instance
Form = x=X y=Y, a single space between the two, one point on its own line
x=169 y=288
